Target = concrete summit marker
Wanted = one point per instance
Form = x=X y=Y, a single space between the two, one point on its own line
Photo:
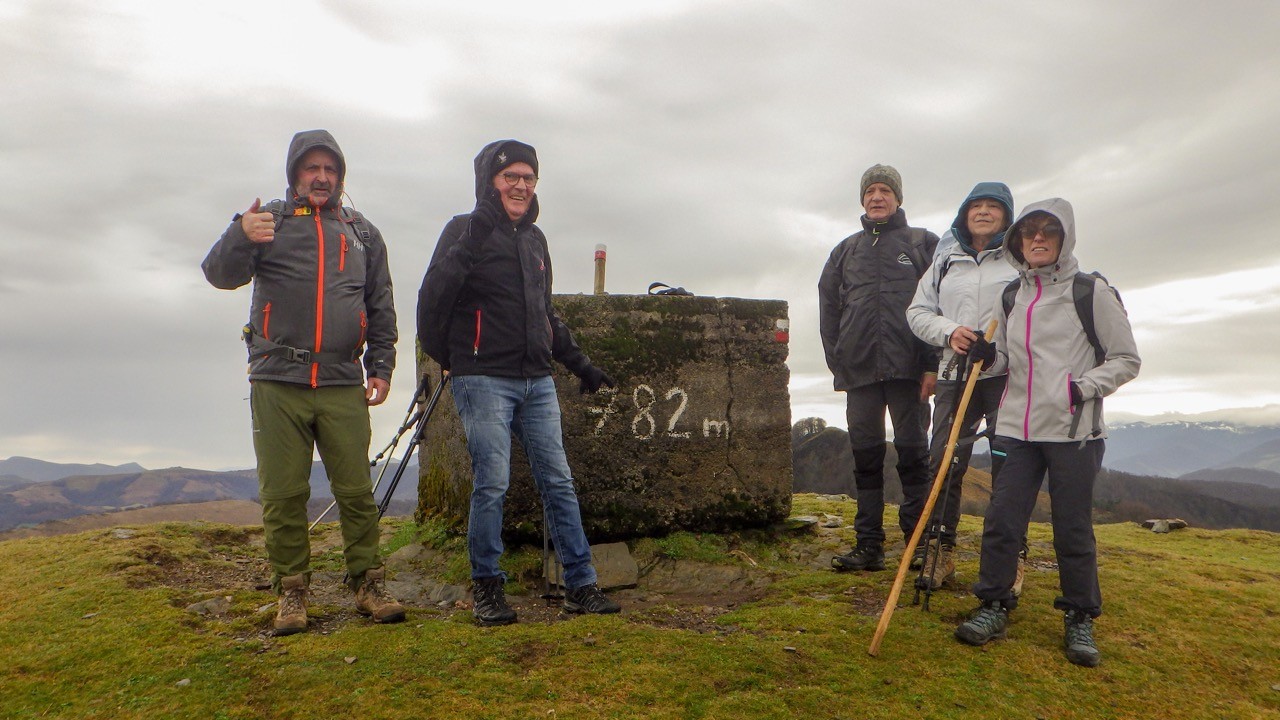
x=697 y=435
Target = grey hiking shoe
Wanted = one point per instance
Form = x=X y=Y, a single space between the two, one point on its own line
x=986 y=624
x=863 y=557
x=291 y=610
x=589 y=599
x=373 y=600
x=491 y=606
x=1078 y=639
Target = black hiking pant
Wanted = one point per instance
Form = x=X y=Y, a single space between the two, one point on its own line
x=865 y=412
x=984 y=403
x=1072 y=470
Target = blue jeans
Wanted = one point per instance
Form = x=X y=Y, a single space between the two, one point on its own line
x=492 y=409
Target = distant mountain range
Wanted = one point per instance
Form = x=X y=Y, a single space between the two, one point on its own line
x=59 y=491
x=1212 y=474
x=1181 y=448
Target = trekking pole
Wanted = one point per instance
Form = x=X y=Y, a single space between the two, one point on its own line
x=422 y=417
x=410 y=419
x=957 y=369
x=413 y=444
x=550 y=567
x=905 y=565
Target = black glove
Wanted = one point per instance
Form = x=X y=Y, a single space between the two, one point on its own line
x=1077 y=398
x=592 y=378
x=487 y=215
x=981 y=350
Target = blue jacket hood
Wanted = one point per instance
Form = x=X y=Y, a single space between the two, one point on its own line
x=997 y=191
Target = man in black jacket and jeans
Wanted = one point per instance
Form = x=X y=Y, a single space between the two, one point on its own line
x=485 y=314
x=864 y=291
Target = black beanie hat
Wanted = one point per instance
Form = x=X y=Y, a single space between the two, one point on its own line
x=512 y=152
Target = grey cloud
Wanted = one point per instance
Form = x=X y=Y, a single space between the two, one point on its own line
x=685 y=141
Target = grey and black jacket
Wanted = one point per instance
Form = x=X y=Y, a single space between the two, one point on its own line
x=318 y=287
x=863 y=295
x=484 y=307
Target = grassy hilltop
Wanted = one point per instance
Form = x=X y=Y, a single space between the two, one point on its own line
x=94 y=625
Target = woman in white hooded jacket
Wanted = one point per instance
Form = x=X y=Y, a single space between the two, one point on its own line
x=1050 y=421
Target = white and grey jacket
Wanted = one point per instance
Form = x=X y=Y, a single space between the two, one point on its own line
x=1043 y=346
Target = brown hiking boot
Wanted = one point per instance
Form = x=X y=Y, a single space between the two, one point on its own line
x=291 y=611
x=372 y=598
x=1021 y=574
x=939 y=566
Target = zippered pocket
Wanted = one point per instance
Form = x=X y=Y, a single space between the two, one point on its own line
x=475 y=350
x=342 y=253
x=364 y=326
x=1071 y=406
x=266 y=321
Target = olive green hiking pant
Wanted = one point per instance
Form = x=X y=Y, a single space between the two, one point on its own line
x=289 y=422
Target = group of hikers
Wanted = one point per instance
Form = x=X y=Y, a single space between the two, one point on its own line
x=902 y=319
x=322 y=307
x=905 y=315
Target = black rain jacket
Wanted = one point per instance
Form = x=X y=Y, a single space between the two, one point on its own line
x=863 y=295
x=485 y=303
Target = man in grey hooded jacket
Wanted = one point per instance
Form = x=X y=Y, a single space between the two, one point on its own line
x=321 y=301
x=1055 y=381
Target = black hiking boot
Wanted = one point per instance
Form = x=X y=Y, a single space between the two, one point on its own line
x=491 y=606
x=588 y=599
x=863 y=557
x=986 y=624
x=1078 y=639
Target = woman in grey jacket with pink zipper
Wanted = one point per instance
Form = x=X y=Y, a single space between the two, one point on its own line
x=1050 y=420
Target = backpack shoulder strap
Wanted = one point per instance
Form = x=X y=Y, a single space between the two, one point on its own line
x=277 y=209
x=1009 y=294
x=1082 y=295
x=358 y=224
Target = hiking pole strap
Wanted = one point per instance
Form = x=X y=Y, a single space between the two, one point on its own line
x=927 y=512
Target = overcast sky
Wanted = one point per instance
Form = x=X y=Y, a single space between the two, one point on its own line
x=714 y=145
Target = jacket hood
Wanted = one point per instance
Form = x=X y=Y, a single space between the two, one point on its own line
x=1060 y=209
x=499 y=154
x=306 y=141
x=997 y=191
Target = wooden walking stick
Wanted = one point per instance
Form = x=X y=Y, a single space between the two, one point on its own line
x=905 y=565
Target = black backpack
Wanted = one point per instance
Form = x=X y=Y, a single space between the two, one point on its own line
x=1082 y=296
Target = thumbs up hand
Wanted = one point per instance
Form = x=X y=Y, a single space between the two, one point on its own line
x=260 y=227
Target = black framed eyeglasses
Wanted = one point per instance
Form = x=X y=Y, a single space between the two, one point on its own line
x=513 y=179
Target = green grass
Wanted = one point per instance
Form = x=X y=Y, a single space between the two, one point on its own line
x=1190 y=631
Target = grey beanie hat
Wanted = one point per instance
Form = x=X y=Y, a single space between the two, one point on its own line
x=882 y=174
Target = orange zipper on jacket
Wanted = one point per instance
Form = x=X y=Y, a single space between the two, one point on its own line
x=266 y=321
x=315 y=367
x=364 y=325
x=342 y=257
x=476 y=349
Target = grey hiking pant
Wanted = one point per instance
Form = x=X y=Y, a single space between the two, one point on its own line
x=865 y=411
x=1072 y=470
x=984 y=403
